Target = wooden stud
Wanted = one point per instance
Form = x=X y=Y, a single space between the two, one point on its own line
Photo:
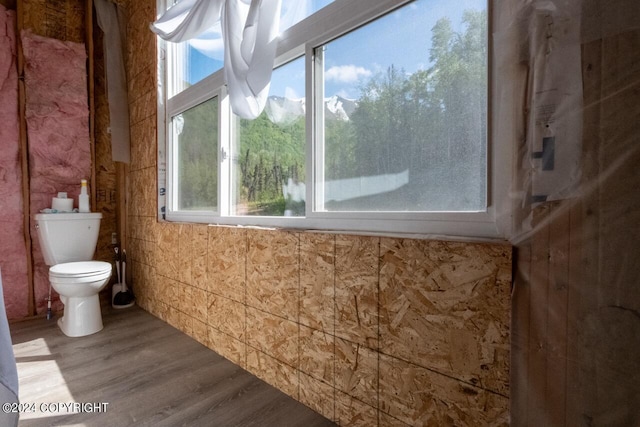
x=520 y=306
x=538 y=328
x=91 y=96
x=572 y=391
x=557 y=294
x=24 y=161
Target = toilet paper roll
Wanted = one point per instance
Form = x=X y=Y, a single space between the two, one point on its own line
x=62 y=205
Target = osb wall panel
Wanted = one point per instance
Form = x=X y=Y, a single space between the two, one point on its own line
x=356 y=289
x=317 y=354
x=316 y=281
x=442 y=307
x=356 y=371
x=271 y=370
x=272 y=273
x=141 y=45
x=317 y=395
x=421 y=397
x=443 y=338
x=365 y=330
x=226 y=262
x=58 y=19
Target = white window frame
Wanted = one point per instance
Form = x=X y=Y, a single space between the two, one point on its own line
x=334 y=20
x=209 y=88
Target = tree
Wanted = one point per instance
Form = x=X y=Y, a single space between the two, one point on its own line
x=270 y=154
x=431 y=123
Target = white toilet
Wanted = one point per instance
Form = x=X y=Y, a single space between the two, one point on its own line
x=68 y=241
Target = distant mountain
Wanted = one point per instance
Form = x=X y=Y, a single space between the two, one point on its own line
x=283 y=110
x=339 y=108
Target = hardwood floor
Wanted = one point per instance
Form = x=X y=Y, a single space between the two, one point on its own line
x=148 y=373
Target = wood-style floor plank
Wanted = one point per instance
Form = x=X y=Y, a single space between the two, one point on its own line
x=148 y=372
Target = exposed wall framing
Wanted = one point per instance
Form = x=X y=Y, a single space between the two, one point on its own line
x=68 y=20
x=24 y=160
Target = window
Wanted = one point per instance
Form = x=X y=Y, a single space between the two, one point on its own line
x=404 y=120
x=195 y=143
x=376 y=121
x=195 y=59
x=269 y=154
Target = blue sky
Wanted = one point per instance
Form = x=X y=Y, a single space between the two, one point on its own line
x=401 y=38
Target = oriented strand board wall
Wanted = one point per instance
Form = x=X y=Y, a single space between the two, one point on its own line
x=366 y=330
x=354 y=327
x=58 y=19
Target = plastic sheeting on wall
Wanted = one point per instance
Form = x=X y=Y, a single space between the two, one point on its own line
x=567 y=96
x=108 y=21
x=12 y=244
x=57 y=115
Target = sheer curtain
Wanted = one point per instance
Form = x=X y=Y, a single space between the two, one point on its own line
x=249 y=31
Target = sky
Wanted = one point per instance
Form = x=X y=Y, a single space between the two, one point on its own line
x=401 y=38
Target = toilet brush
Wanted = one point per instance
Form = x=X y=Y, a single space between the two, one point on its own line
x=117 y=287
x=49 y=315
x=124 y=298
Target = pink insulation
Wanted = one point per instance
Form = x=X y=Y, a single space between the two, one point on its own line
x=13 y=254
x=57 y=114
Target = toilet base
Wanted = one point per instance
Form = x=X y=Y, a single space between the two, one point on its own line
x=81 y=317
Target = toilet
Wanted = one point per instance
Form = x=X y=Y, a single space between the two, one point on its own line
x=68 y=241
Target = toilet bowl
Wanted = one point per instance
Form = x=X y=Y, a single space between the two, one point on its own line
x=68 y=241
x=78 y=284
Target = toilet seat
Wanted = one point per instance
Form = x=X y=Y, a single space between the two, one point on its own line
x=80 y=272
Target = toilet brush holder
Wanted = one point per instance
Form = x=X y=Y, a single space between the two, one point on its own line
x=121 y=297
x=117 y=287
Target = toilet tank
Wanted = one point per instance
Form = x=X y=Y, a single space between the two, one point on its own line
x=67 y=237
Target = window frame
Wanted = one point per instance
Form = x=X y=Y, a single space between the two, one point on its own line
x=329 y=23
x=209 y=88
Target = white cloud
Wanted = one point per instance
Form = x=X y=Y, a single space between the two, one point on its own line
x=346 y=73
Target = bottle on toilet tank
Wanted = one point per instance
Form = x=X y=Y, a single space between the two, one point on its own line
x=83 y=198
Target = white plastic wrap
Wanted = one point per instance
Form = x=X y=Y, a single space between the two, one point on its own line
x=567 y=94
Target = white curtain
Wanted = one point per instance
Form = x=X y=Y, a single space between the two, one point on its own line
x=249 y=31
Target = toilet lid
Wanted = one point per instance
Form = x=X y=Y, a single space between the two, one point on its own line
x=80 y=269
